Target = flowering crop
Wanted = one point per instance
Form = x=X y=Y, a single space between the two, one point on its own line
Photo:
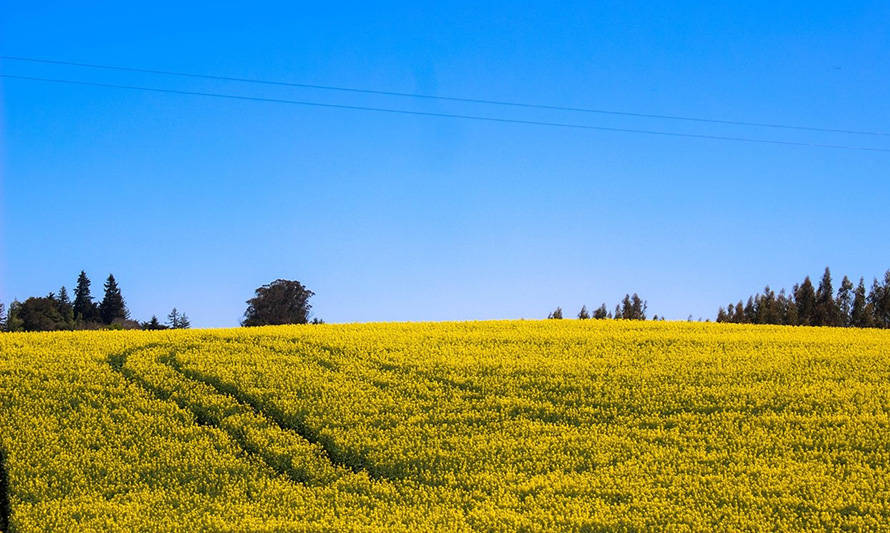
x=505 y=425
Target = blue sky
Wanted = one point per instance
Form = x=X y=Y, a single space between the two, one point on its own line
x=194 y=202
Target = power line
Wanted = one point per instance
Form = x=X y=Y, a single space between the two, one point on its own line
x=443 y=115
x=445 y=98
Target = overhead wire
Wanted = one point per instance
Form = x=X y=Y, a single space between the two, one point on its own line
x=441 y=115
x=456 y=99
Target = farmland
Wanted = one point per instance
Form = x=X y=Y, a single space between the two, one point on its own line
x=469 y=426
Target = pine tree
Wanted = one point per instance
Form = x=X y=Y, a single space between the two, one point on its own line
x=84 y=307
x=768 y=311
x=556 y=314
x=184 y=322
x=873 y=307
x=805 y=299
x=845 y=302
x=740 y=317
x=859 y=314
x=112 y=306
x=65 y=307
x=827 y=313
x=638 y=306
x=787 y=308
x=583 y=314
x=173 y=319
x=750 y=311
x=153 y=324
x=600 y=312
x=881 y=302
x=721 y=315
x=2 y=317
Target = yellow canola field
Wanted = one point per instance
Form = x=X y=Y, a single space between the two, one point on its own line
x=471 y=426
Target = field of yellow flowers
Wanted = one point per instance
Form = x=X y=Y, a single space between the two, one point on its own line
x=472 y=426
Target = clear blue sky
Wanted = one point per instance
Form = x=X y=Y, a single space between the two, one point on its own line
x=193 y=202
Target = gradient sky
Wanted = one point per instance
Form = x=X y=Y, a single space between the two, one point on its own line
x=194 y=202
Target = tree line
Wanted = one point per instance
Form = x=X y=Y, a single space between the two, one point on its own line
x=806 y=305
x=631 y=307
x=57 y=311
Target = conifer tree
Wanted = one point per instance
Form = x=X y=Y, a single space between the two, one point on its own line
x=805 y=299
x=750 y=311
x=583 y=314
x=859 y=314
x=845 y=302
x=556 y=314
x=826 y=312
x=600 y=312
x=880 y=302
x=66 y=310
x=84 y=307
x=2 y=317
x=740 y=313
x=112 y=306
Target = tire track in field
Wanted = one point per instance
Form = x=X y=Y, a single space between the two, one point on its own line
x=331 y=453
x=338 y=456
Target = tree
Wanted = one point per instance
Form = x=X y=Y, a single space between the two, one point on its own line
x=2 y=317
x=805 y=299
x=556 y=314
x=631 y=308
x=788 y=309
x=600 y=312
x=768 y=311
x=827 y=313
x=85 y=309
x=879 y=299
x=280 y=302
x=40 y=314
x=153 y=324
x=860 y=317
x=112 y=306
x=177 y=320
x=65 y=307
x=583 y=314
x=845 y=302
x=721 y=315
x=13 y=322
x=740 y=313
x=750 y=311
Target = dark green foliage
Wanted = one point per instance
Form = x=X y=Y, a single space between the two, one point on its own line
x=632 y=307
x=805 y=298
x=826 y=312
x=280 y=302
x=2 y=317
x=40 y=314
x=845 y=302
x=860 y=317
x=112 y=306
x=153 y=324
x=583 y=314
x=817 y=307
x=879 y=300
x=177 y=320
x=600 y=312
x=85 y=310
x=556 y=314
